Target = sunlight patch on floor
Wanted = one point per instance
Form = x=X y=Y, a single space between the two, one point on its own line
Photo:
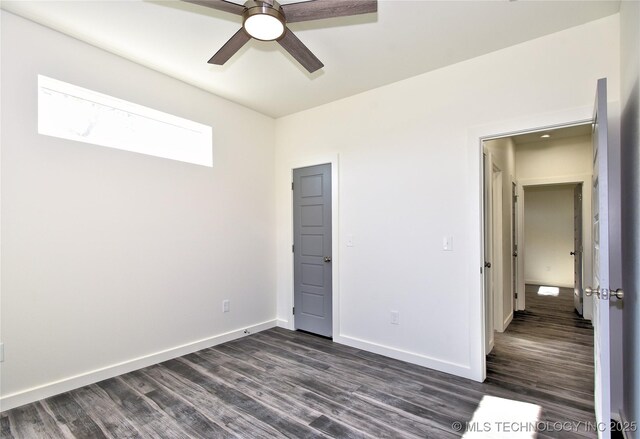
x=503 y=418
x=548 y=291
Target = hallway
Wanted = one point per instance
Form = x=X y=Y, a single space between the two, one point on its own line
x=546 y=357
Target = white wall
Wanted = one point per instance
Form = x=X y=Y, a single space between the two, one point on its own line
x=565 y=157
x=409 y=159
x=502 y=153
x=630 y=153
x=113 y=260
x=548 y=229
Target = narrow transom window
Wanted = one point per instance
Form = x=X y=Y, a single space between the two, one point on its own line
x=75 y=113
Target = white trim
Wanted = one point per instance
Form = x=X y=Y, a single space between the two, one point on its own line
x=475 y=137
x=507 y=320
x=17 y=399
x=410 y=357
x=521 y=302
x=333 y=160
x=497 y=254
x=281 y=323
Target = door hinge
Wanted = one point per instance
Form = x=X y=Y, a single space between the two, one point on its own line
x=293 y=310
x=516 y=295
x=291 y=185
x=293 y=249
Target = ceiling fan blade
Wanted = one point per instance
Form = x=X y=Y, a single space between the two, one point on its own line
x=220 y=5
x=318 y=9
x=229 y=49
x=300 y=52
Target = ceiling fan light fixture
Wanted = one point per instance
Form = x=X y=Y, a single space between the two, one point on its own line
x=264 y=23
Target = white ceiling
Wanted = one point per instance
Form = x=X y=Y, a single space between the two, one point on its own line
x=554 y=134
x=405 y=38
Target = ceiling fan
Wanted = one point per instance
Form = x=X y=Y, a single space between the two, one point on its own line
x=266 y=20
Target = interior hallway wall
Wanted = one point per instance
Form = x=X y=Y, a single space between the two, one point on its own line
x=548 y=229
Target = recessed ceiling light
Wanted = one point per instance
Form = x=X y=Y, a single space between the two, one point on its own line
x=545 y=136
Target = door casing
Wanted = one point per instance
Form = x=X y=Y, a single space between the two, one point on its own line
x=476 y=138
x=333 y=160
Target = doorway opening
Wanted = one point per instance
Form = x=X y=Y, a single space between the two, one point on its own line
x=537 y=190
x=532 y=182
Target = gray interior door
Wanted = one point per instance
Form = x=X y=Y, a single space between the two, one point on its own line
x=577 y=248
x=312 y=249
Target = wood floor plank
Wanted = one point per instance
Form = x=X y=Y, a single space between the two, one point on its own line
x=235 y=421
x=70 y=414
x=104 y=412
x=345 y=406
x=5 y=428
x=27 y=422
x=146 y=416
x=190 y=419
x=239 y=400
x=337 y=430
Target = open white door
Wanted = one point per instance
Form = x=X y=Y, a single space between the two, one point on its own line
x=600 y=288
x=488 y=255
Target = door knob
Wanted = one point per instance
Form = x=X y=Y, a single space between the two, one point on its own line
x=327 y=258
x=487 y=264
x=572 y=253
x=604 y=293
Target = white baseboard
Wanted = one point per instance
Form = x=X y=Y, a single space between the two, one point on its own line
x=410 y=357
x=286 y=324
x=507 y=321
x=17 y=399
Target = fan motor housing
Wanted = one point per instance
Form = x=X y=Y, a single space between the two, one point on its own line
x=272 y=9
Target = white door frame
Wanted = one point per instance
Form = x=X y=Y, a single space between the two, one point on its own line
x=333 y=160
x=497 y=233
x=475 y=137
x=517 y=298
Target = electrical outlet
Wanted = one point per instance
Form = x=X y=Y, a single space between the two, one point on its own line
x=395 y=317
x=225 y=305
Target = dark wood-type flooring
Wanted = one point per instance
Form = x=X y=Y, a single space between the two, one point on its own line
x=279 y=383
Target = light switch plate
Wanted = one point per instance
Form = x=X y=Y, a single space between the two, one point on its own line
x=349 y=240
x=447 y=243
